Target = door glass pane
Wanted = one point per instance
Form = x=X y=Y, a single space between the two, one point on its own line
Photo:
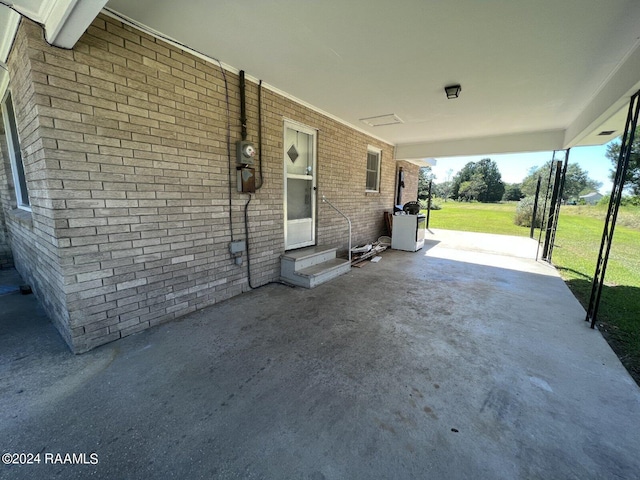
x=299 y=152
x=298 y=199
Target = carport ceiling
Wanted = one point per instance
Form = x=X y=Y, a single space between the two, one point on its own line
x=535 y=75
x=526 y=67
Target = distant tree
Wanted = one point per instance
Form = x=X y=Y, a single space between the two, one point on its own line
x=512 y=192
x=485 y=170
x=443 y=189
x=473 y=189
x=577 y=181
x=424 y=177
x=488 y=170
x=464 y=175
x=632 y=179
x=529 y=183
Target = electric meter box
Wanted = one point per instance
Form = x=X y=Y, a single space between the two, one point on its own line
x=245 y=152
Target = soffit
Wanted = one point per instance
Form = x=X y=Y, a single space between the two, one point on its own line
x=524 y=66
x=532 y=70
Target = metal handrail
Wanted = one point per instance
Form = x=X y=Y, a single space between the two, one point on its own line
x=324 y=200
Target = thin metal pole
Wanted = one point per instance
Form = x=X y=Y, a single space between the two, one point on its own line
x=535 y=207
x=429 y=203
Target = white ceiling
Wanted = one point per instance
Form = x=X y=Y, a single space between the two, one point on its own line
x=535 y=75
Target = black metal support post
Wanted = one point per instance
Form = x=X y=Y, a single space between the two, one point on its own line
x=614 y=205
x=552 y=211
x=429 y=203
x=535 y=207
x=544 y=208
x=558 y=204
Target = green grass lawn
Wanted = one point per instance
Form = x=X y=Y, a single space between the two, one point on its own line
x=478 y=217
x=576 y=250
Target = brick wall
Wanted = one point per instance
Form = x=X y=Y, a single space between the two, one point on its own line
x=130 y=175
x=32 y=234
x=341 y=176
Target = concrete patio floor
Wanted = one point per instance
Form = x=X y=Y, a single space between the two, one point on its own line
x=449 y=363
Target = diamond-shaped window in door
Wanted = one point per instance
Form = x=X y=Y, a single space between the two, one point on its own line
x=293 y=153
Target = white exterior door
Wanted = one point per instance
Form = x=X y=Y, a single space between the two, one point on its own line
x=299 y=185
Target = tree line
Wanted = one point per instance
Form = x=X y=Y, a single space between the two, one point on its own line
x=481 y=181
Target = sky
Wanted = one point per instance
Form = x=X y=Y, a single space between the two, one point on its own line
x=515 y=167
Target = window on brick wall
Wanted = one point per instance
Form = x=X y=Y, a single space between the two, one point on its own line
x=373 y=169
x=13 y=144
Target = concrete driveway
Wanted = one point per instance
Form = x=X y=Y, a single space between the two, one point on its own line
x=449 y=363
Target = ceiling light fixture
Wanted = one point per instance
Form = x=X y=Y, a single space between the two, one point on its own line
x=452 y=91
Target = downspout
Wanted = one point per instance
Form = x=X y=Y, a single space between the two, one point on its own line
x=243 y=106
x=243 y=119
x=259 y=186
x=400 y=186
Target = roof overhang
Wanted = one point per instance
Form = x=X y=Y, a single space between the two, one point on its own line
x=602 y=120
x=64 y=20
x=420 y=162
x=67 y=20
x=535 y=76
x=9 y=21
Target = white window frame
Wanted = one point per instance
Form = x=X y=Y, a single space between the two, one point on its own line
x=17 y=165
x=378 y=152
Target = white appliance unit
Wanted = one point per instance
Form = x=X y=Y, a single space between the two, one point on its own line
x=408 y=232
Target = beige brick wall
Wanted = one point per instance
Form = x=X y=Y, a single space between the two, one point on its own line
x=32 y=235
x=342 y=160
x=131 y=179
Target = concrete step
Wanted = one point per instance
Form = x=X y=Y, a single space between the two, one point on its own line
x=309 y=267
x=307 y=257
x=317 y=274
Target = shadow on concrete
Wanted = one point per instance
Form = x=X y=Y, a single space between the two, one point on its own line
x=416 y=366
x=24 y=326
x=429 y=243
